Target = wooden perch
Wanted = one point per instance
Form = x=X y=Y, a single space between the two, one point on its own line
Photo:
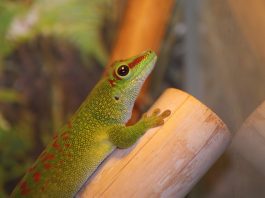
x=249 y=141
x=167 y=161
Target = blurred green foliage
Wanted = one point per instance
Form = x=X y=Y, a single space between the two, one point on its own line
x=9 y=95
x=14 y=147
x=8 y=9
x=76 y=22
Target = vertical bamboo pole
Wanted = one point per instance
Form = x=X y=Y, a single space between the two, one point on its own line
x=142 y=28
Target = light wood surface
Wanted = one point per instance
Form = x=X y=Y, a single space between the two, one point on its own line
x=168 y=160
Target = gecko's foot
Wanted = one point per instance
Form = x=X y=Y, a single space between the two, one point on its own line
x=156 y=118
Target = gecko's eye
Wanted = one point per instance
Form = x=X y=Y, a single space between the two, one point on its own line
x=123 y=70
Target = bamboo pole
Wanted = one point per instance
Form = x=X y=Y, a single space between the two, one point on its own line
x=167 y=161
x=249 y=140
x=142 y=28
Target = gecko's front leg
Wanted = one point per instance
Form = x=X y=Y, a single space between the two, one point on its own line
x=124 y=136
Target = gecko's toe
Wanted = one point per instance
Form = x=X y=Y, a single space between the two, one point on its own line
x=166 y=113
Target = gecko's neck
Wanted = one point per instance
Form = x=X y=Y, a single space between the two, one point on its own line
x=107 y=105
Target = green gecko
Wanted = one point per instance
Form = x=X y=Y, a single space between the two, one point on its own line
x=93 y=132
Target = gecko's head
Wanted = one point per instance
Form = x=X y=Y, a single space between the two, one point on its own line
x=131 y=71
x=126 y=77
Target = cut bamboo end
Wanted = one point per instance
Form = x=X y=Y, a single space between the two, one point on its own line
x=168 y=160
x=249 y=140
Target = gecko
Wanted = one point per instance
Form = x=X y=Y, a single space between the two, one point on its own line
x=93 y=132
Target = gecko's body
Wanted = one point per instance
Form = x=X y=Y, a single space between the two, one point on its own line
x=92 y=133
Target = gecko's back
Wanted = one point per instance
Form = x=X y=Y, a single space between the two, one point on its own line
x=67 y=161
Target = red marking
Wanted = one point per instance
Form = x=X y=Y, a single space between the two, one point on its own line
x=112 y=82
x=37 y=176
x=56 y=145
x=48 y=156
x=65 y=135
x=47 y=166
x=115 y=76
x=136 y=61
x=67 y=145
x=24 y=188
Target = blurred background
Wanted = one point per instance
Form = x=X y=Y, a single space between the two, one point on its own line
x=52 y=53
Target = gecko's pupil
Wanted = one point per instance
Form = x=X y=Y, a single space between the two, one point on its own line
x=123 y=70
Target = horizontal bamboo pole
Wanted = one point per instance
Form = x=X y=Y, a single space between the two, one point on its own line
x=249 y=141
x=168 y=160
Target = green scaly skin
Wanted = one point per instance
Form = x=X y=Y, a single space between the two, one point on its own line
x=93 y=132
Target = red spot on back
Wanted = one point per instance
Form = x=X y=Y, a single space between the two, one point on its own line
x=56 y=145
x=136 y=61
x=24 y=189
x=67 y=145
x=47 y=166
x=37 y=176
x=47 y=156
x=65 y=135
